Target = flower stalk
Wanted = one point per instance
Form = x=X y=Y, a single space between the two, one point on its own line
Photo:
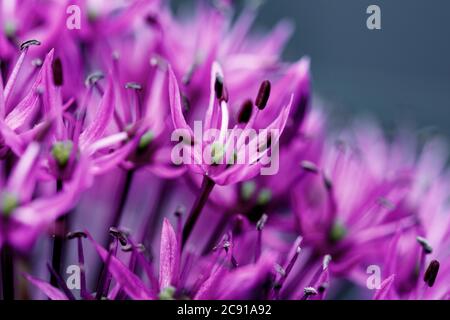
x=7 y=262
x=206 y=188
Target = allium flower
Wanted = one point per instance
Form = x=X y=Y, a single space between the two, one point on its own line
x=219 y=275
x=24 y=217
x=417 y=262
x=99 y=132
x=347 y=203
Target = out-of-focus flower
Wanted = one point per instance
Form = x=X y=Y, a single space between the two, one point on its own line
x=25 y=217
x=417 y=263
x=348 y=203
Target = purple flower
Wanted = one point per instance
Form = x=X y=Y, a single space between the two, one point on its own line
x=216 y=155
x=25 y=218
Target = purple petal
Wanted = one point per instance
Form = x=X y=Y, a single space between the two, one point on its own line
x=385 y=290
x=130 y=283
x=168 y=256
x=101 y=120
x=178 y=119
x=50 y=291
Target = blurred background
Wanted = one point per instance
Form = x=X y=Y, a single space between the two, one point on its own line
x=397 y=75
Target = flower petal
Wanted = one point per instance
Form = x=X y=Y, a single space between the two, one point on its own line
x=130 y=283
x=168 y=256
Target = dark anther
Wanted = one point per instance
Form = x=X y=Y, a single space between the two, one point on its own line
x=76 y=234
x=218 y=87
x=425 y=245
x=120 y=235
x=129 y=247
x=246 y=111
x=93 y=78
x=310 y=291
x=179 y=211
x=186 y=103
x=263 y=95
x=431 y=273
x=322 y=287
x=57 y=69
x=327 y=182
x=309 y=166
x=134 y=86
x=151 y=20
x=261 y=222
x=28 y=43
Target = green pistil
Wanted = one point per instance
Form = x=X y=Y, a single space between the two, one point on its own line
x=248 y=189
x=167 y=293
x=9 y=203
x=61 y=151
x=145 y=140
x=337 y=232
x=217 y=152
x=9 y=29
x=264 y=197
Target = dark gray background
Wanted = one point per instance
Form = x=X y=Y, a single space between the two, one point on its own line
x=400 y=74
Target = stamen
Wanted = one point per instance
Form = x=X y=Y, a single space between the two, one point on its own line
x=224 y=122
x=310 y=291
x=326 y=261
x=136 y=87
x=294 y=252
x=246 y=111
x=119 y=234
x=309 y=166
x=93 y=78
x=259 y=227
x=60 y=282
x=262 y=222
x=219 y=87
x=263 y=95
x=130 y=247
x=25 y=45
x=321 y=289
x=79 y=235
x=431 y=273
x=425 y=245
x=103 y=283
x=133 y=85
x=57 y=70
x=76 y=235
x=327 y=182
x=189 y=74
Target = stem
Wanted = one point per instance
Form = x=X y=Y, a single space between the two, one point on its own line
x=7 y=262
x=58 y=241
x=207 y=186
x=150 y=225
x=125 y=190
x=123 y=198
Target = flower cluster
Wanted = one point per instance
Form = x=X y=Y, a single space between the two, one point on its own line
x=100 y=155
